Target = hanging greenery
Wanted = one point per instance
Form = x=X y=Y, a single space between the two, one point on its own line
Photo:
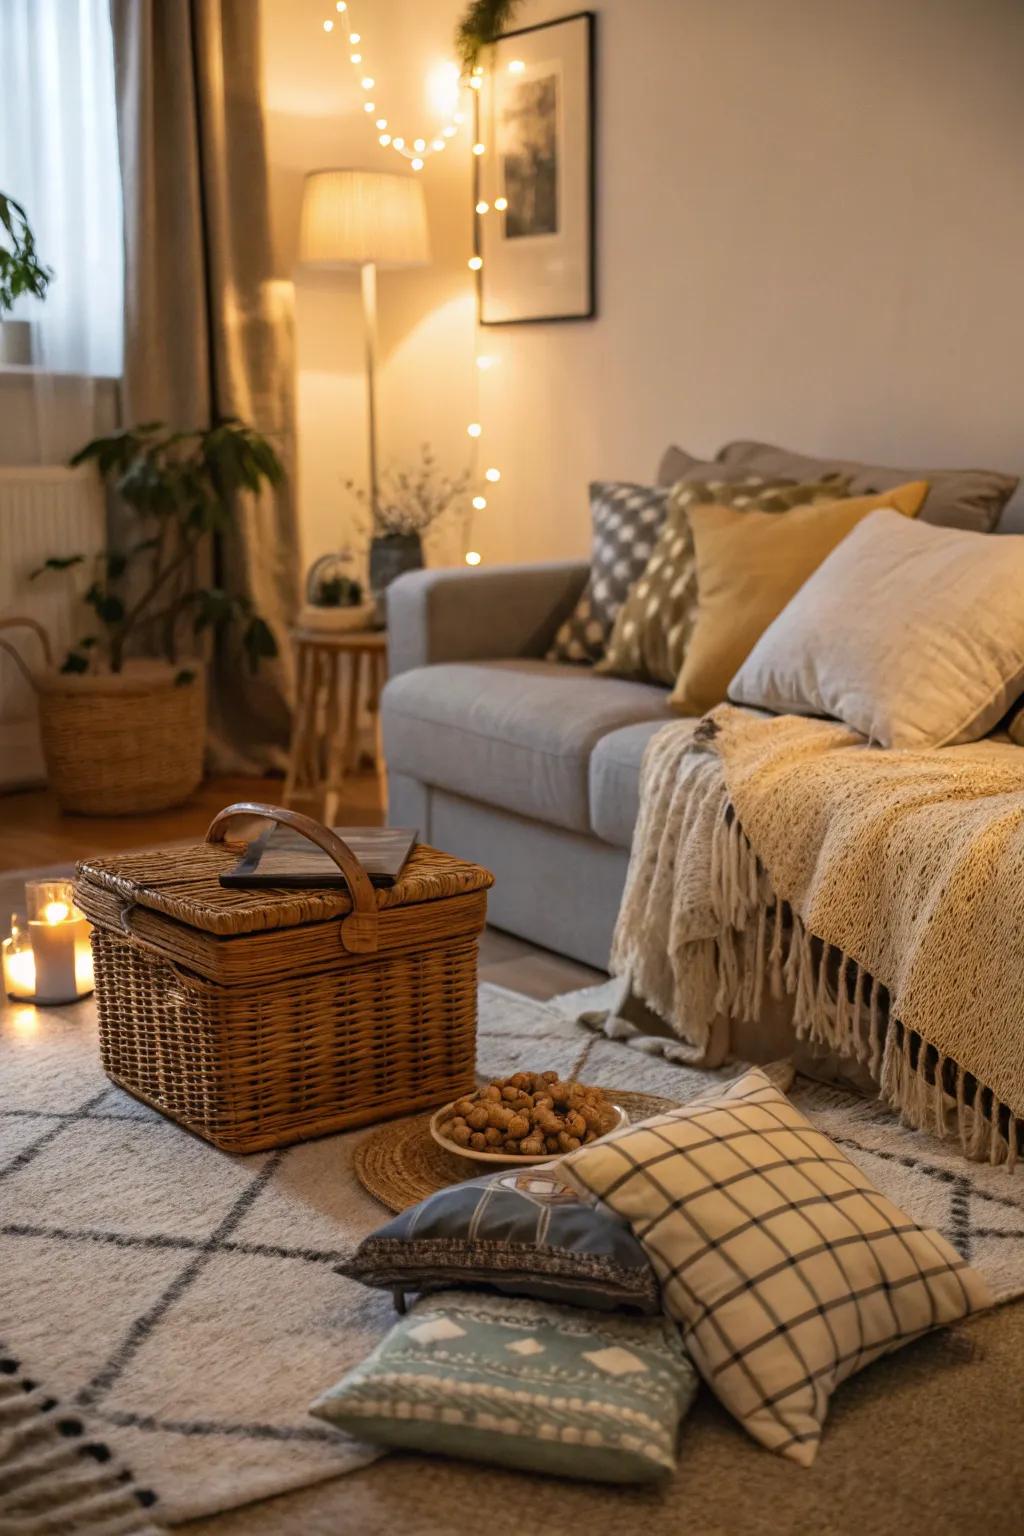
x=482 y=22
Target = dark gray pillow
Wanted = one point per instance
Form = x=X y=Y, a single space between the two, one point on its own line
x=957 y=498
x=521 y=1231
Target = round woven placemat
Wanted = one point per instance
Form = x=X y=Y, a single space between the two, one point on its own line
x=401 y=1163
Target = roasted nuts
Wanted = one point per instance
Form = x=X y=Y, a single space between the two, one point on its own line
x=530 y=1114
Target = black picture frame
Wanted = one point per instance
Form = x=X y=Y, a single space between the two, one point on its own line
x=588 y=305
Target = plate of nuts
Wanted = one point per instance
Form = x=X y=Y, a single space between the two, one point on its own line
x=529 y=1117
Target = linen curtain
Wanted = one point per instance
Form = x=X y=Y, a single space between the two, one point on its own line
x=208 y=330
x=59 y=158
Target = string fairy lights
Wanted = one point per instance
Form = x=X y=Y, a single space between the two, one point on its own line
x=444 y=87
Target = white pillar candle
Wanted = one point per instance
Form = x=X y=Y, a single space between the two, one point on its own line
x=19 y=968
x=50 y=960
x=53 y=945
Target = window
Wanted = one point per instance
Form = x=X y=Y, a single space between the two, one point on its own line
x=59 y=159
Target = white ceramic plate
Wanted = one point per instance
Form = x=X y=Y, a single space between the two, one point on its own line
x=501 y=1159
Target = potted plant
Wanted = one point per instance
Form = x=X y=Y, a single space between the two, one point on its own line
x=123 y=720
x=334 y=596
x=20 y=273
x=408 y=503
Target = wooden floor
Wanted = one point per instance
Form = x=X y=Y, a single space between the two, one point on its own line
x=35 y=832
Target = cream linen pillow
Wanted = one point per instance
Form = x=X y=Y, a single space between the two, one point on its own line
x=911 y=634
x=786 y=1267
x=749 y=564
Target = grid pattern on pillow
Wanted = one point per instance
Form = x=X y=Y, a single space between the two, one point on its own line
x=654 y=624
x=786 y=1267
x=626 y=520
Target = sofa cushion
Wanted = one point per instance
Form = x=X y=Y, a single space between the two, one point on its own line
x=654 y=624
x=749 y=565
x=626 y=519
x=514 y=734
x=957 y=498
x=615 y=781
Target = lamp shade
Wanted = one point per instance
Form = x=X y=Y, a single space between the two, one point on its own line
x=353 y=217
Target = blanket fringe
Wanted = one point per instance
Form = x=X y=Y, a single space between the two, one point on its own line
x=836 y=1003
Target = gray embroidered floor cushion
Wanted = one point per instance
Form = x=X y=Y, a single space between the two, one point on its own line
x=521 y=1231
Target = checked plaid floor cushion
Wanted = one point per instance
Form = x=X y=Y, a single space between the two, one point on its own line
x=786 y=1267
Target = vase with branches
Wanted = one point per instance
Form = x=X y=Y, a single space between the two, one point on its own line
x=409 y=502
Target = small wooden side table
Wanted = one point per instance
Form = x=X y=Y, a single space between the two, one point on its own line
x=338 y=676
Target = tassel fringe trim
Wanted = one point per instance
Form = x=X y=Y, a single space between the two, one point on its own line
x=763 y=946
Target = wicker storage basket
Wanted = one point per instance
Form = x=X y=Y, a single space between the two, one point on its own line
x=263 y=1017
x=117 y=744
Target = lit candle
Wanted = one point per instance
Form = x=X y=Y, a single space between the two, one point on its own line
x=19 y=965
x=51 y=960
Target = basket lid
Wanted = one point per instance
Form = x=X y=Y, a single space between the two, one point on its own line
x=183 y=883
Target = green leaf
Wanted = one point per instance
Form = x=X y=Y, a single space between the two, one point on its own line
x=74 y=662
x=214 y=607
x=20 y=269
x=482 y=22
x=57 y=563
x=258 y=640
x=110 y=609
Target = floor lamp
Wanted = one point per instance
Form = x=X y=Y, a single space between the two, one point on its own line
x=364 y=219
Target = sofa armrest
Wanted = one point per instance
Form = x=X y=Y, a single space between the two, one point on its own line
x=457 y=615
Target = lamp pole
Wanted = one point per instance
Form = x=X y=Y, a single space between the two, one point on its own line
x=368 y=279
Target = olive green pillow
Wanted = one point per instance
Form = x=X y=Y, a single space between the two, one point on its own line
x=654 y=624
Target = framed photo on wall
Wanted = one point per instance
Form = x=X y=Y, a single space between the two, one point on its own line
x=535 y=118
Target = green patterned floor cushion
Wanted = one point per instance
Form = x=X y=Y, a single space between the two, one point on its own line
x=522 y=1231
x=523 y=1383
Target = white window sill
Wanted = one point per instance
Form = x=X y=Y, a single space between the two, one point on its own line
x=37 y=371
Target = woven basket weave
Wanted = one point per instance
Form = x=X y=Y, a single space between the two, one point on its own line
x=124 y=743
x=263 y=1017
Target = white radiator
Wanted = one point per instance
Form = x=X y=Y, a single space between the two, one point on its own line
x=43 y=512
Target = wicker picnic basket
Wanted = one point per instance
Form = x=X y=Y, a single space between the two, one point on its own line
x=263 y=1017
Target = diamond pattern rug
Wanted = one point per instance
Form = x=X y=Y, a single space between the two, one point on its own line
x=176 y=1309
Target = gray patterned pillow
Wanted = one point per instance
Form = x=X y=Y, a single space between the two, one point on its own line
x=525 y=1384
x=626 y=521
x=654 y=624
x=522 y=1231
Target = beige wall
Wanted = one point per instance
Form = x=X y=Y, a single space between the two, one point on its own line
x=810 y=227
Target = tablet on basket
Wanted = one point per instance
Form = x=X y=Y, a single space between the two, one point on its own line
x=280 y=857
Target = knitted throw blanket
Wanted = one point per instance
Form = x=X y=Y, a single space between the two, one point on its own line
x=882 y=891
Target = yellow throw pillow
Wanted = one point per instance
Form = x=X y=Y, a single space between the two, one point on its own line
x=749 y=564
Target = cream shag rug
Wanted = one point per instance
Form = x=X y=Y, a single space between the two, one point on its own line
x=167 y=1312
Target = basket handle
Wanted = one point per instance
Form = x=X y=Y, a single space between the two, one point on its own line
x=16 y=622
x=359 y=928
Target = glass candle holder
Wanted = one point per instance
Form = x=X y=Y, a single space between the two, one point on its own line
x=49 y=958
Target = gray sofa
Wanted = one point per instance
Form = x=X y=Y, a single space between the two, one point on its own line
x=530 y=767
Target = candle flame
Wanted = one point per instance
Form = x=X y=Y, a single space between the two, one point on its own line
x=56 y=912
